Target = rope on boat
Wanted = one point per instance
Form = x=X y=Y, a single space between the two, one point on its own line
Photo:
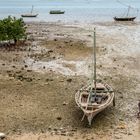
x=129 y=7
x=125 y=4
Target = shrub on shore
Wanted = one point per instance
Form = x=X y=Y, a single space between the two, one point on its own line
x=12 y=29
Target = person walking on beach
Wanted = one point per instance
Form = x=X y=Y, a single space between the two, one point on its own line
x=139 y=109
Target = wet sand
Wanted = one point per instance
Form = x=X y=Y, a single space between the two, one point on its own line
x=38 y=82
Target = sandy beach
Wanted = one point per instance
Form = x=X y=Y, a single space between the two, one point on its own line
x=38 y=82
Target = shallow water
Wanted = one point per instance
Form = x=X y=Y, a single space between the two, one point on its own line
x=75 y=10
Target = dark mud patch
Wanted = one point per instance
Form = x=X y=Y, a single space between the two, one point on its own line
x=69 y=49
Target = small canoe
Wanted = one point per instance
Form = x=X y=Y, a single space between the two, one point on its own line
x=92 y=104
x=57 y=12
x=29 y=15
x=124 y=18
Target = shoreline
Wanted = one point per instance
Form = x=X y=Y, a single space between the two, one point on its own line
x=86 y=23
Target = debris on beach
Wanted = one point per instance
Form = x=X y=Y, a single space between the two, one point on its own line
x=2 y=135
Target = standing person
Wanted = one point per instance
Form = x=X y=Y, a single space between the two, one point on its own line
x=139 y=109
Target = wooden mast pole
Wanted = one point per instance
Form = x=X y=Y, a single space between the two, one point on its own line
x=94 y=51
x=128 y=10
x=93 y=77
x=32 y=9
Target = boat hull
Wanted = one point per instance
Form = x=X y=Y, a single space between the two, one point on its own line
x=90 y=114
x=29 y=15
x=124 y=19
x=57 y=12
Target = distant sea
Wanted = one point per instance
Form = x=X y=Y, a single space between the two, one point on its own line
x=75 y=10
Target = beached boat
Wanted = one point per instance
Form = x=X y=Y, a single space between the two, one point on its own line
x=92 y=104
x=95 y=96
x=126 y=17
x=30 y=14
x=57 y=12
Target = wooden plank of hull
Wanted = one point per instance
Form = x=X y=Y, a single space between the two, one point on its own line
x=124 y=19
x=91 y=115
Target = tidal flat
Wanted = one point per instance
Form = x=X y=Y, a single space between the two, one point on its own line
x=38 y=82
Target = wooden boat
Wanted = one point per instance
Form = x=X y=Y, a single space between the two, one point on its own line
x=94 y=97
x=124 y=18
x=30 y=14
x=92 y=104
x=57 y=12
x=127 y=17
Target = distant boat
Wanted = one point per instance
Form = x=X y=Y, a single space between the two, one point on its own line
x=30 y=14
x=124 y=18
x=127 y=16
x=57 y=12
x=95 y=96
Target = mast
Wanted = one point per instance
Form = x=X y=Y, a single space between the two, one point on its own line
x=129 y=7
x=32 y=9
x=94 y=51
x=93 y=76
x=128 y=10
